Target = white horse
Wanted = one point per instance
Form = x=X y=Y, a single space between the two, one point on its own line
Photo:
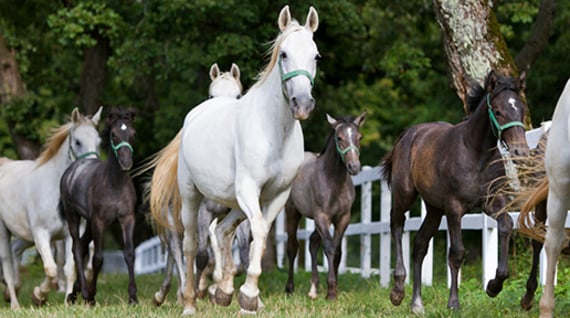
x=557 y=166
x=224 y=84
x=245 y=153
x=29 y=196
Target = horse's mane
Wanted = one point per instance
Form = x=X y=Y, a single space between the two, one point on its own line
x=478 y=92
x=53 y=143
x=293 y=26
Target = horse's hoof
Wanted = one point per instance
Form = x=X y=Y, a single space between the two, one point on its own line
x=222 y=299
x=396 y=297
x=157 y=300
x=493 y=288
x=36 y=299
x=189 y=311
x=70 y=299
x=133 y=301
x=201 y=294
x=527 y=302
x=248 y=304
x=331 y=297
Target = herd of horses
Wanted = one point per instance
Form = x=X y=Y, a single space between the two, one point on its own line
x=227 y=177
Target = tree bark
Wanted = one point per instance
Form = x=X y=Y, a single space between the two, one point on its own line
x=93 y=75
x=540 y=33
x=473 y=43
x=11 y=88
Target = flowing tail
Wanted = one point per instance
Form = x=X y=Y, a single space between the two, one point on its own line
x=528 y=225
x=162 y=191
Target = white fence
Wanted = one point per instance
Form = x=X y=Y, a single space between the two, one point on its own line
x=151 y=257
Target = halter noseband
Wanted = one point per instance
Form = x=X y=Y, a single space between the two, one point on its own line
x=285 y=77
x=495 y=123
x=72 y=153
x=120 y=145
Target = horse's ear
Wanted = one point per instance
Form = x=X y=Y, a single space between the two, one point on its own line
x=75 y=116
x=131 y=113
x=97 y=116
x=214 y=71
x=235 y=71
x=331 y=120
x=284 y=18
x=312 y=22
x=358 y=121
x=491 y=81
x=522 y=81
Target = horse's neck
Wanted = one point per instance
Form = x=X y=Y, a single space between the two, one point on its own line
x=331 y=162
x=60 y=161
x=480 y=134
x=267 y=103
x=113 y=171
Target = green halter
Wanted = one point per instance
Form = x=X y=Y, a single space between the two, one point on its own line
x=343 y=152
x=498 y=127
x=74 y=156
x=289 y=75
x=120 y=145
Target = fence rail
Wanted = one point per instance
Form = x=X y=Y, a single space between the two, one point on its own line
x=151 y=257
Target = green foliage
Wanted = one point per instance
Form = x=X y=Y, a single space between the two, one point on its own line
x=81 y=25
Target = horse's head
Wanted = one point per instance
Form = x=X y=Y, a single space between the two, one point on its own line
x=84 y=138
x=226 y=84
x=347 y=139
x=297 y=61
x=507 y=111
x=121 y=134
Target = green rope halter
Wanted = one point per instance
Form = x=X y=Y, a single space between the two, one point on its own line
x=285 y=77
x=120 y=145
x=74 y=155
x=498 y=127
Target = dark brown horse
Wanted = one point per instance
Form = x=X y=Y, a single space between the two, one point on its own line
x=452 y=167
x=323 y=191
x=101 y=192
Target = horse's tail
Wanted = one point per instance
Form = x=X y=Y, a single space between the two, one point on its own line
x=528 y=225
x=386 y=167
x=163 y=194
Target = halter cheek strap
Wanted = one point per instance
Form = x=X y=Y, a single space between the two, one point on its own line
x=343 y=152
x=287 y=76
x=74 y=155
x=495 y=123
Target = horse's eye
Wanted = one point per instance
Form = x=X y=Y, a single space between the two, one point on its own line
x=283 y=55
x=318 y=57
x=78 y=143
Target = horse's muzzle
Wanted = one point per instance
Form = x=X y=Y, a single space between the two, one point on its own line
x=302 y=107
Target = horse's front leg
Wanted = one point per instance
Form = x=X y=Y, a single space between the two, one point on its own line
x=527 y=299
x=127 y=227
x=505 y=225
x=68 y=267
x=160 y=295
x=456 y=255
x=42 y=240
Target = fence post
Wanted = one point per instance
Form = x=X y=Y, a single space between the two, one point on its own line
x=309 y=228
x=365 y=218
x=406 y=250
x=280 y=232
x=427 y=266
x=385 y=240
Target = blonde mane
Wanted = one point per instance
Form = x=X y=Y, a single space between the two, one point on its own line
x=53 y=143
x=273 y=51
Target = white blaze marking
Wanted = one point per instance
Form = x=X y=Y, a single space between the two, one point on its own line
x=123 y=127
x=512 y=102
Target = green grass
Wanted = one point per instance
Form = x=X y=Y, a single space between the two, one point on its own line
x=357 y=298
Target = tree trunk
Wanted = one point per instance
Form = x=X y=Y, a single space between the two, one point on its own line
x=93 y=75
x=473 y=43
x=539 y=36
x=11 y=88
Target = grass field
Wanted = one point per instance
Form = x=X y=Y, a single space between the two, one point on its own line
x=357 y=298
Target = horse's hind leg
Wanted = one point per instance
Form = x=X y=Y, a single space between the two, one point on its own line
x=8 y=265
x=203 y=257
x=403 y=200
x=160 y=295
x=42 y=239
x=555 y=236
x=314 y=243
x=421 y=243
x=292 y=223
x=532 y=283
x=127 y=223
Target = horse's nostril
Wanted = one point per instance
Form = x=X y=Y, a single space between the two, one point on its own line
x=294 y=100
